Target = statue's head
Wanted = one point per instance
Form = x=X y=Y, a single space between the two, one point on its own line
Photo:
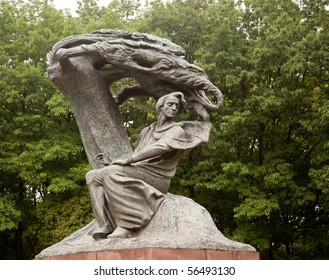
x=171 y=96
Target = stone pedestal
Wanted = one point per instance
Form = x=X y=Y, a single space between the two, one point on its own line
x=158 y=254
x=180 y=230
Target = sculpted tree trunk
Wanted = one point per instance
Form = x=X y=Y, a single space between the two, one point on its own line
x=96 y=112
x=84 y=66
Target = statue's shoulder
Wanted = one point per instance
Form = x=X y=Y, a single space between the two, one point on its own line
x=190 y=128
x=177 y=129
x=197 y=129
x=151 y=127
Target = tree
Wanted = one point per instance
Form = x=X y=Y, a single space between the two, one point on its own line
x=269 y=58
x=182 y=22
x=41 y=152
x=266 y=143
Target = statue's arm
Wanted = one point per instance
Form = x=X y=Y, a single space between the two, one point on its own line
x=156 y=149
x=151 y=151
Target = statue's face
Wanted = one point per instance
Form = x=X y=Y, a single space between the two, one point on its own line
x=171 y=107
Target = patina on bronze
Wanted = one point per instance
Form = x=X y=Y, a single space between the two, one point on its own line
x=129 y=189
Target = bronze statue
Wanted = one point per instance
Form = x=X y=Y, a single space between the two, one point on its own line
x=129 y=195
x=135 y=186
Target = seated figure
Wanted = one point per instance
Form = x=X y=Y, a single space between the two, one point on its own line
x=126 y=194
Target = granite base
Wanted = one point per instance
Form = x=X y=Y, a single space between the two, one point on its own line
x=158 y=254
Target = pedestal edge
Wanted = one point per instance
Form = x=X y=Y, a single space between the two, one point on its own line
x=158 y=254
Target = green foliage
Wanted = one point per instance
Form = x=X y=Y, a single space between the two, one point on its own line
x=58 y=216
x=40 y=146
x=9 y=216
x=92 y=17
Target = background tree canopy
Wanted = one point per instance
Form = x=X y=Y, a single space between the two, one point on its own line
x=263 y=176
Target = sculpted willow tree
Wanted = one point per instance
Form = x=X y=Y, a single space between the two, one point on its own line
x=84 y=67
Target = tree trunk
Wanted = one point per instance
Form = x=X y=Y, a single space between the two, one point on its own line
x=96 y=112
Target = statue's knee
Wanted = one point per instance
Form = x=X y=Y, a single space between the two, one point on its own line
x=90 y=176
x=108 y=170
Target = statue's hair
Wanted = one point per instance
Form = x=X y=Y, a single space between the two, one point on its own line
x=178 y=95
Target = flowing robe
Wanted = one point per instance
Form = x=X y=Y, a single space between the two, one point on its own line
x=135 y=192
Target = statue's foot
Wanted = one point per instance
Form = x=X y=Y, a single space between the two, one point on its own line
x=120 y=232
x=102 y=233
